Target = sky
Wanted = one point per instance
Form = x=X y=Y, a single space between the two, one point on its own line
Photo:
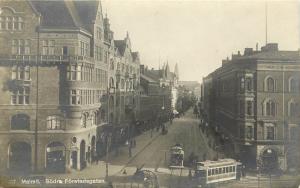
x=199 y=34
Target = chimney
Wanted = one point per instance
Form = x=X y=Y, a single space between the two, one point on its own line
x=270 y=47
x=257 y=46
x=239 y=53
x=248 y=51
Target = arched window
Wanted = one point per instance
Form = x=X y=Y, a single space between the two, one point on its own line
x=270 y=84
x=293 y=85
x=270 y=108
x=94 y=118
x=112 y=65
x=111 y=83
x=20 y=122
x=293 y=109
x=242 y=84
x=122 y=84
x=248 y=83
x=54 y=123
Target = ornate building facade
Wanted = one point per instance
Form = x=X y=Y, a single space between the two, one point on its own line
x=64 y=81
x=253 y=102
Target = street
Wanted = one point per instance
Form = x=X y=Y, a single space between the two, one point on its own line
x=185 y=131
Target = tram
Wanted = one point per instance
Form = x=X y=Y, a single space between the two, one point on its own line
x=176 y=156
x=210 y=172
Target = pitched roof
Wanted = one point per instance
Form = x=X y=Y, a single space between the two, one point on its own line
x=153 y=74
x=54 y=14
x=66 y=13
x=121 y=45
x=87 y=10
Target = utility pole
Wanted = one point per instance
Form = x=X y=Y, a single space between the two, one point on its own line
x=108 y=139
x=37 y=101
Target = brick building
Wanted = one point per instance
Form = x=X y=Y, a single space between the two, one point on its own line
x=159 y=92
x=59 y=84
x=252 y=101
x=155 y=103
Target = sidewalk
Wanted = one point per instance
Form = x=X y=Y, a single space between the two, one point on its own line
x=116 y=164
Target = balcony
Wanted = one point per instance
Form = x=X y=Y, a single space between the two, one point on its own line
x=44 y=59
x=112 y=90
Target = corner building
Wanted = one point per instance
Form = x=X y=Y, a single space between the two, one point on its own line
x=56 y=63
x=252 y=101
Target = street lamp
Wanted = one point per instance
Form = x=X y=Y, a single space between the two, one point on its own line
x=108 y=140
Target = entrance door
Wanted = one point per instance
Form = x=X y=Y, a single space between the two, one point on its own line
x=74 y=159
x=93 y=149
x=56 y=157
x=269 y=161
x=20 y=157
x=82 y=155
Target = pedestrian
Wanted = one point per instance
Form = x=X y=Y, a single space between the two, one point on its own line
x=134 y=143
x=244 y=171
x=190 y=174
x=129 y=151
x=96 y=157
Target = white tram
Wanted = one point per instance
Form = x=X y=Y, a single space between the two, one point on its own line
x=209 y=172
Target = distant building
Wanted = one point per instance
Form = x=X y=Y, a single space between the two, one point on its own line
x=159 y=87
x=193 y=86
x=166 y=78
x=253 y=101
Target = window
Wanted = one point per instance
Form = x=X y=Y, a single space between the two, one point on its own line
x=249 y=108
x=249 y=86
x=48 y=47
x=122 y=84
x=242 y=84
x=293 y=109
x=270 y=133
x=75 y=97
x=84 y=48
x=20 y=46
x=20 y=73
x=20 y=96
x=11 y=23
x=270 y=108
x=111 y=83
x=54 y=123
x=65 y=50
x=209 y=172
x=98 y=53
x=293 y=85
x=74 y=72
x=20 y=122
x=270 y=82
x=249 y=132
